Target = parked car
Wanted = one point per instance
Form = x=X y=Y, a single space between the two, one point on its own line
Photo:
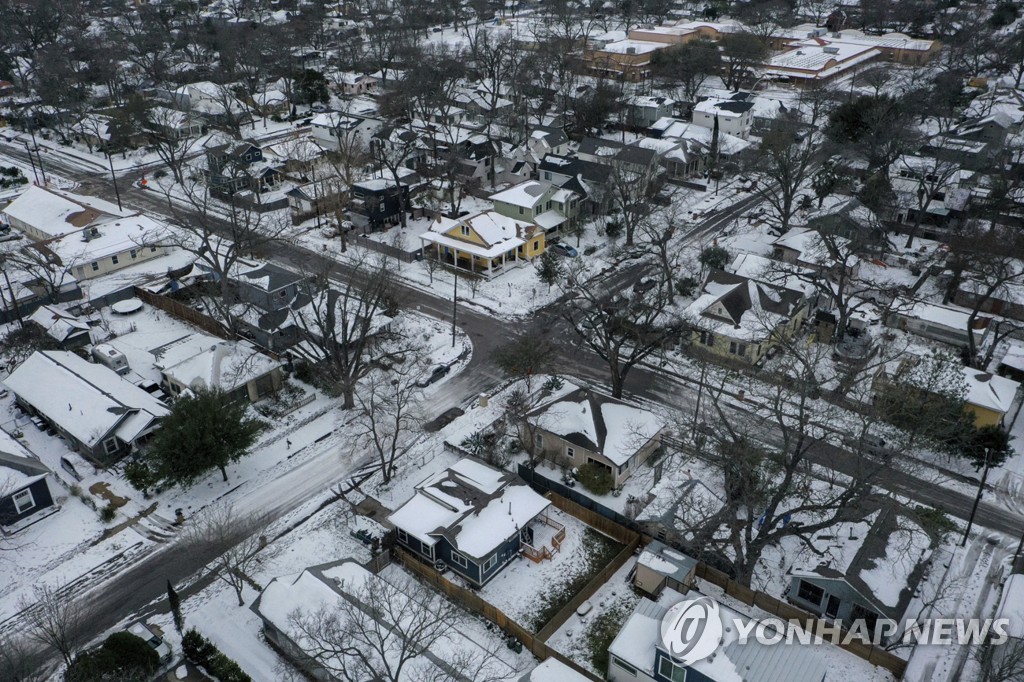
x=644 y=284
x=868 y=444
x=436 y=375
x=145 y=631
x=564 y=250
x=318 y=107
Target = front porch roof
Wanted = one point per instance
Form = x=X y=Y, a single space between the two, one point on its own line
x=503 y=247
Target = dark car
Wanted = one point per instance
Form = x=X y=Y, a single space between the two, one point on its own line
x=868 y=445
x=644 y=284
x=434 y=376
x=564 y=250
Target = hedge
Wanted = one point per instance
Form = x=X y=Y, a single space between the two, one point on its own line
x=203 y=653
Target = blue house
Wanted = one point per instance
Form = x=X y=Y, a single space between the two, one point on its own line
x=475 y=519
x=24 y=489
x=637 y=653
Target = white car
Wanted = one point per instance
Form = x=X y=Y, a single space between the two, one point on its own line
x=143 y=631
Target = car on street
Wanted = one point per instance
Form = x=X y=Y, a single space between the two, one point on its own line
x=644 y=284
x=435 y=375
x=564 y=250
x=867 y=444
x=318 y=107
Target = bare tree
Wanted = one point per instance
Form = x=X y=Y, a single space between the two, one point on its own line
x=388 y=422
x=236 y=539
x=765 y=453
x=20 y=662
x=629 y=191
x=55 y=619
x=218 y=244
x=384 y=630
x=933 y=176
x=622 y=331
x=785 y=163
x=170 y=144
x=1000 y=662
x=348 y=325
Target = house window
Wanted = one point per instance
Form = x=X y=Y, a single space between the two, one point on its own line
x=521 y=210
x=460 y=560
x=489 y=564
x=465 y=230
x=737 y=348
x=625 y=666
x=538 y=440
x=707 y=338
x=95 y=266
x=570 y=452
x=113 y=259
x=133 y=253
x=670 y=670
x=536 y=244
x=427 y=550
x=23 y=501
x=547 y=175
x=152 y=249
x=110 y=446
x=403 y=536
x=810 y=593
x=248 y=157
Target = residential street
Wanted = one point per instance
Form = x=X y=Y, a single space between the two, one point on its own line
x=131 y=591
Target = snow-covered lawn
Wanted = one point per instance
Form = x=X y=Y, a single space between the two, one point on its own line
x=530 y=593
x=581 y=637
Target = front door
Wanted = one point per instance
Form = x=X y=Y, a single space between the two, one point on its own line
x=832 y=607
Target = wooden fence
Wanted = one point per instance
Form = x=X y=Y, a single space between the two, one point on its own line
x=617 y=532
x=182 y=312
x=476 y=604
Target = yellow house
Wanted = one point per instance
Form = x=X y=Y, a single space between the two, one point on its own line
x=742 y=319
x=484 y=243
x=989 y=396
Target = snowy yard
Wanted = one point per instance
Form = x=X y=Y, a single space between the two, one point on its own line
x=531 y=593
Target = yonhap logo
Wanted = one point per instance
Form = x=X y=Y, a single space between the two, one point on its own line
x=692 y=630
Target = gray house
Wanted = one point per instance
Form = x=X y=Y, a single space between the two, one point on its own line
x=585 y=427
x=24 y=489
x=871 y=582
x=474 y=520
x=268 y=287
x=98 y=412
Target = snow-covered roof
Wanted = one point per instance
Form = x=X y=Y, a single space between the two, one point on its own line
x=633 y=47
x=87 y=400
x=599 y=423
x=199 y=361
x=641 y=635
x=499 y=233
x=526 y=194
x=18 y=468
x=109 y=238
x=59 y=324
x=742 y=308
x=56 y=213
x=476 y=507
x=662 y=559
x=989 y=391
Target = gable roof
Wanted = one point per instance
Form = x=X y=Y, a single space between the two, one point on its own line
x=98 y=401
x=526 y=194
x=473 y=506
x=199 y=361
x=18 y=468
x=749 y=308
x=598 y=423
x=59 y=324
x=887 y=567
x=269 y=277
x=989 y=391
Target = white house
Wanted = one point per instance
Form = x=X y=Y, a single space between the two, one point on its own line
x=337 y=131
x=735 y=117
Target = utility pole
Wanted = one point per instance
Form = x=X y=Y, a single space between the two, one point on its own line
x=977 y=500
x=113 y=178
x=455 y=299
x=32 y=161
